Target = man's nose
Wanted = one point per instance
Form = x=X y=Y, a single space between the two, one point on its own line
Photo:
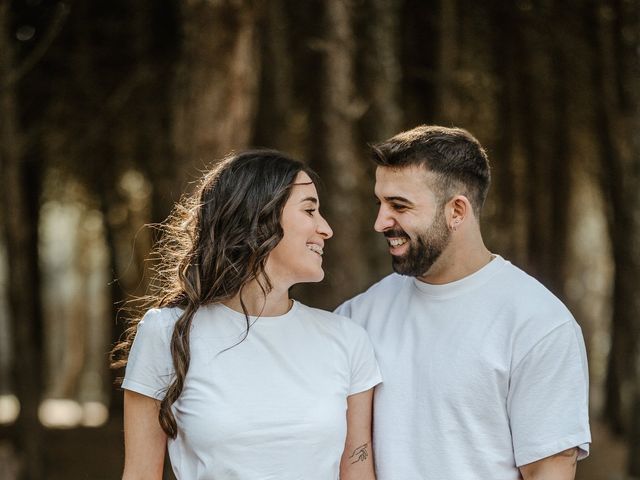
x=384 y=221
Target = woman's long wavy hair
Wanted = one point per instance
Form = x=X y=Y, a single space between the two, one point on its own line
x=214 y=243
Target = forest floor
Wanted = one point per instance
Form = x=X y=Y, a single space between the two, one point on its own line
x=96 y=454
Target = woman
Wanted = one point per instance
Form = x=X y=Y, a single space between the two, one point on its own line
x=236 y=378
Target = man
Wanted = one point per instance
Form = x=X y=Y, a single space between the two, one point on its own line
x=484 y=370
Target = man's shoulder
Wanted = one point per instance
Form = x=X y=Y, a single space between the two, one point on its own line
x=524 y=284
x=531 y=299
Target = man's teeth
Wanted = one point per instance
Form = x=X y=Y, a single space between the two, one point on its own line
x=396 y=242
x=315 y=248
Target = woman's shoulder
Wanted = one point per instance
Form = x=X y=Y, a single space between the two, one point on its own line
x=159 y=321
x=345 y=324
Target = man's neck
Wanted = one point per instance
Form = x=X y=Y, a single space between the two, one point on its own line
x=456 y=263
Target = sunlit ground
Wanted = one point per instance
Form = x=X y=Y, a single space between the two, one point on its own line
x=57 y=412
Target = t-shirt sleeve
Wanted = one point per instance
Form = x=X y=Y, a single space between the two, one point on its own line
x=365 y=373
x=149 y=367
x=344 y=309
x=548 y=397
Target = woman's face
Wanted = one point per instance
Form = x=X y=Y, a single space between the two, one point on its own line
x=298 y=256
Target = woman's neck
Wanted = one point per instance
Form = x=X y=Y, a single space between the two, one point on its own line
x=275 y=303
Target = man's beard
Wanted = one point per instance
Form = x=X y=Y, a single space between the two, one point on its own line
x=425 y=250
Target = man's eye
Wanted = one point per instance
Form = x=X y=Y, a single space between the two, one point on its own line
x=398 y=208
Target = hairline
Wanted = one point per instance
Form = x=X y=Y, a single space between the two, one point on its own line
x=444 y=189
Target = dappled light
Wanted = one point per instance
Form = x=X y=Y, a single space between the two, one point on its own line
x=9 y=409
x=65 y=413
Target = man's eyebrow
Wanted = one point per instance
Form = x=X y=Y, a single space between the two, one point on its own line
x=399 y=199
x=309 y=199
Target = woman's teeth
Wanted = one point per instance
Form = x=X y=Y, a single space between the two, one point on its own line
x=315 y=248
x=396 y=242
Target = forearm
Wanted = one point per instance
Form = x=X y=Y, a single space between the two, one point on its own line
x=357 y=462
x=561 y=466
x=357 y=459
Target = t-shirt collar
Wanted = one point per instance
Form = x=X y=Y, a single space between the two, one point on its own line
x=458 y=287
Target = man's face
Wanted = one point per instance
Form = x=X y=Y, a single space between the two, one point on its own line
x=411 y=218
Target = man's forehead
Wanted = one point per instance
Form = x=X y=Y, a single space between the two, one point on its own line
x=412 y=181
x=411 y=175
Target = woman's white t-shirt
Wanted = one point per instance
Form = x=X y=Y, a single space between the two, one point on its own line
x=271 y=407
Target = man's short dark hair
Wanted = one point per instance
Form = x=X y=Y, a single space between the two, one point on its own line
x=453 y=154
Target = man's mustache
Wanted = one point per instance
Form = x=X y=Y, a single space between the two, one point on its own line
x=395 y=234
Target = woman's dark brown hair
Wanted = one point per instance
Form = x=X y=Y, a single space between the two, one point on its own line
x=214 y=243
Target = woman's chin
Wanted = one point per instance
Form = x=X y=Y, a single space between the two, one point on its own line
x=315 y=277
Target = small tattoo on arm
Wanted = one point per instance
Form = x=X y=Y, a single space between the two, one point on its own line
x=360 y=454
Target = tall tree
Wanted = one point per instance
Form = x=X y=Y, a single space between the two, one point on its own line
x=615 y=78
x=337 y=156
x=507 y=200
x=278 y=120
x=379 y=81
x=448 y=62
x=616 y=75
x=21 y=196
x=215 y=92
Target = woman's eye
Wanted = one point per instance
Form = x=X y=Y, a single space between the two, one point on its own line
x=310 y=211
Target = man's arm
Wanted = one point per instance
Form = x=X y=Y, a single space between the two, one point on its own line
x=561 y=466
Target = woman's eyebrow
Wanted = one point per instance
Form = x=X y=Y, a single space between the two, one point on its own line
x=309 y=199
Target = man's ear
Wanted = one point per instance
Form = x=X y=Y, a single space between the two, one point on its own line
x=460 y=210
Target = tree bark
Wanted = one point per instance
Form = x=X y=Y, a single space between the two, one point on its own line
x=506 y=200
x=615 y=123
x=380 y=81
x=559 y=159
x=21 y=188
x=278 y=119
x=447 y=106
x=335 y=153
x=216 y=86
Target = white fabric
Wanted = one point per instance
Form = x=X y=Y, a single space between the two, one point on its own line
x=271 y=407
x=481 y=375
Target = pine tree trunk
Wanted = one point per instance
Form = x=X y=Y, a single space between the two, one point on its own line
x=559 y=186
x=20 y=198
x=447 y=106
x=506 y=201
x=380 y=81
x=615 y=75
x=216 y=87
x=278 y=117
x=335 y=154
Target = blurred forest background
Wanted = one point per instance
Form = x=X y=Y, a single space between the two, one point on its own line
x=108 y=110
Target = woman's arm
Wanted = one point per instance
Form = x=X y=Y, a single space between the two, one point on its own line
x=357 y=459
x=561 y=466
x=144 y=440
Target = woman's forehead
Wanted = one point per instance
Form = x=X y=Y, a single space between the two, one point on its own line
x=302 y=178
x=303 y=186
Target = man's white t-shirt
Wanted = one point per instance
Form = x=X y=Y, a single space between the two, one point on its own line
x=482 y=375
x=271 y=407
